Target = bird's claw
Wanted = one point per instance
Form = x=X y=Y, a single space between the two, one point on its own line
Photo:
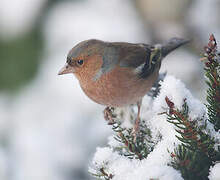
x=108 y=115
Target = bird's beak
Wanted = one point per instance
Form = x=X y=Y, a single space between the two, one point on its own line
x=66 y=69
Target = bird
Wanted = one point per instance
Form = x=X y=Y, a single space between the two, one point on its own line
x=117 y=74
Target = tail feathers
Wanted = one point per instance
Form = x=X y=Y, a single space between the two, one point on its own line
x=171 y=45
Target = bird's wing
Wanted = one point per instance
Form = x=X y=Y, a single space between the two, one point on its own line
x=143 y=58
x=127 y=55
x=133 y=55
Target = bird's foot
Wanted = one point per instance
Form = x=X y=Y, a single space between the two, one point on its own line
x=137 y=122
x=108 y=115
x=135 y=129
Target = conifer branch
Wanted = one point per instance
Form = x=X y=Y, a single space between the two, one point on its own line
x=139 y=148
x=196 y=153
x=212 y=72
x=102 y=174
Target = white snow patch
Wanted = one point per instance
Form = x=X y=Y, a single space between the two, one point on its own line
x=156 y=165
x=19 y=16
x=215 y=172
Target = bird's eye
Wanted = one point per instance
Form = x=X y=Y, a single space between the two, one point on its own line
x=80 y=62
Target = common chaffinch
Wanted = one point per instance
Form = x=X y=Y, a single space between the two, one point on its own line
x=117 y=74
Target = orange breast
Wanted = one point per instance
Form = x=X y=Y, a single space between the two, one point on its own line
x=119 y=87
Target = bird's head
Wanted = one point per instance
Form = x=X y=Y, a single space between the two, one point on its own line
x=84 y=59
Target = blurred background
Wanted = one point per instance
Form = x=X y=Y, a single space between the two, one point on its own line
x=49 y=129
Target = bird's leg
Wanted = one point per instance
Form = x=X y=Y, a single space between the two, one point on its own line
x=108 y=115
x=137 y=121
